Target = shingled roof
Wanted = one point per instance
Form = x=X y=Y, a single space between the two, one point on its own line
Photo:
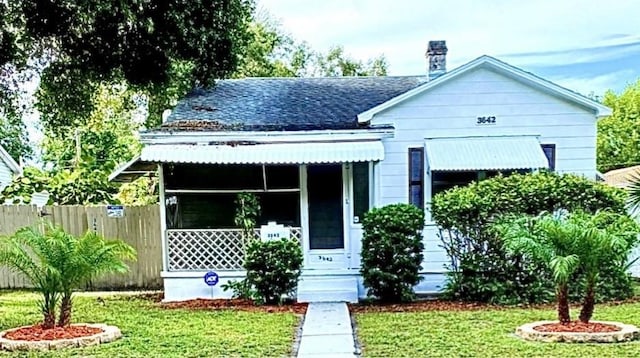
x=285 y=104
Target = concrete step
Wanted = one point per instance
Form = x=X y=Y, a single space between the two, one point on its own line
x=327 y=289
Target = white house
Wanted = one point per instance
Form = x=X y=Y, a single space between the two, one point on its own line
x=8 y=168
x=319 y=152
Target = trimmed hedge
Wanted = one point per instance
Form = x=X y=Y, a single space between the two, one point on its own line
x=392 y=251
x=480 y=268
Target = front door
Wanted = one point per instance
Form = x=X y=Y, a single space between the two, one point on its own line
x=325 y=195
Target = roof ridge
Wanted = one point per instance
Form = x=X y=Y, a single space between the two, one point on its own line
x=318 y=78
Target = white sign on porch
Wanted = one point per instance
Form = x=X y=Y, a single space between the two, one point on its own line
x=273 y=231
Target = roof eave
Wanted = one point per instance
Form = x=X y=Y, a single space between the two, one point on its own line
x=12 y=164
x=264 y=137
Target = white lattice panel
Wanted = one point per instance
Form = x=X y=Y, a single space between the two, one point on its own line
x=216 y=249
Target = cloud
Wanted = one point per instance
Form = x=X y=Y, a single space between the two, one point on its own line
x=595 y=85
x=535 y=35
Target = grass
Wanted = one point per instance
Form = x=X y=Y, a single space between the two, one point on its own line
x=487 y=333
x=150 y=331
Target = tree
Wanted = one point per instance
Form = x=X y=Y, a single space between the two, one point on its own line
x=551 y=240
x=140 y=42
x=79 y=161
x=605 y=238
x=336 y=63
x=270 y=52
x=90 y=89
x=566 y=243
x=13 y=133
x=619 y=134
x=56 y=263
x=27 y=253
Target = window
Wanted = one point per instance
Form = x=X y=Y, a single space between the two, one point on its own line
x=360 y=190
x=216 y=211
x=416 y=177
x=442 y=181
x=550 y=153
x=203 y=196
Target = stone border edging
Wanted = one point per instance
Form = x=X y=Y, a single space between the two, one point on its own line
x=626 y=333
x=108 y=334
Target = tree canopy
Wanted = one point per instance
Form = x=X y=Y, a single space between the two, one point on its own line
x=108 y=69
x=619 y=134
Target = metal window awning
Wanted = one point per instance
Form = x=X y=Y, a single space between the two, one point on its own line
x=268 y=153
x=485 y=153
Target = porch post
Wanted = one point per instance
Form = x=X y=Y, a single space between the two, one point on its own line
x=304 y=214
x=163 y=218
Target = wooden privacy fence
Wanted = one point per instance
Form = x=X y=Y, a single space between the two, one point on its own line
x=140 y=228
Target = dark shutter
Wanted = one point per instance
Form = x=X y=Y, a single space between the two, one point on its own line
x=550 y=153
x=416 y=177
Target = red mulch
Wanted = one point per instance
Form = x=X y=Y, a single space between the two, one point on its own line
x=235 y=304
x=578 y=327
x=37 y=333
x=418 y=306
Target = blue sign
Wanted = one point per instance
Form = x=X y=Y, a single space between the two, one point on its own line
x=211 y=278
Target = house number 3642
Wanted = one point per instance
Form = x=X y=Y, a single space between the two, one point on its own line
x=325 y=258
x=486 y=120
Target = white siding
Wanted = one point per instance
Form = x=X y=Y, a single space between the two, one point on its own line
x=451 y=110
x=5 y=175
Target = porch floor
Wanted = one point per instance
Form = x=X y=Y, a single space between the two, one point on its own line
x=327 y=331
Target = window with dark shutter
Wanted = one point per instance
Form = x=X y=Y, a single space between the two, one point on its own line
x=416 y=177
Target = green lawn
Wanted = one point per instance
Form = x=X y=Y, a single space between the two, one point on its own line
x=149 y=331
x=486 y=333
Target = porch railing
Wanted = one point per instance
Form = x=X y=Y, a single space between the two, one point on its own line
x=209 y=249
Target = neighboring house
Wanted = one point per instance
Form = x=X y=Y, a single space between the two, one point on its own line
x=320 y=152
x=8 y=168
x=623 y=177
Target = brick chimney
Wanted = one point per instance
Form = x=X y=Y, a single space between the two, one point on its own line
x=437 y=58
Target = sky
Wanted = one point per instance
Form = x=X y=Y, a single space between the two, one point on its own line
x=587 y=46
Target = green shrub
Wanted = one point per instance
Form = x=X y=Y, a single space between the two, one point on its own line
x=392 y=251
x=273 y=268
x=242 y=290
x=480 y=269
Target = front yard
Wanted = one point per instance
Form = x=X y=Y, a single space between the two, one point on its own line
x=150 y=331
x=480 y=333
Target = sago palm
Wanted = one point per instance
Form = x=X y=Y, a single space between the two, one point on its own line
x=56 y=263
x=83 y=258
x=30 y=253
x=551 y=241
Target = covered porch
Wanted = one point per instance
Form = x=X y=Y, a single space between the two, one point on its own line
x=318 y=191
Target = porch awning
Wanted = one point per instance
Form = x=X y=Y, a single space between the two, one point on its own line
x=132 y=170
x=269 y=153
x=485 y=153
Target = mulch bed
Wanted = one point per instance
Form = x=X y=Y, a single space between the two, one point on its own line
x=37 y=333
x=235 y=304
x=577 y=327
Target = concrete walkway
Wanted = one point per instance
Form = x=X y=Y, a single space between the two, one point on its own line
x=327 y=331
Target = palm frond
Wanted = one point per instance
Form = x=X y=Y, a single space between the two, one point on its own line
x=634 y=194
x=562 y=267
